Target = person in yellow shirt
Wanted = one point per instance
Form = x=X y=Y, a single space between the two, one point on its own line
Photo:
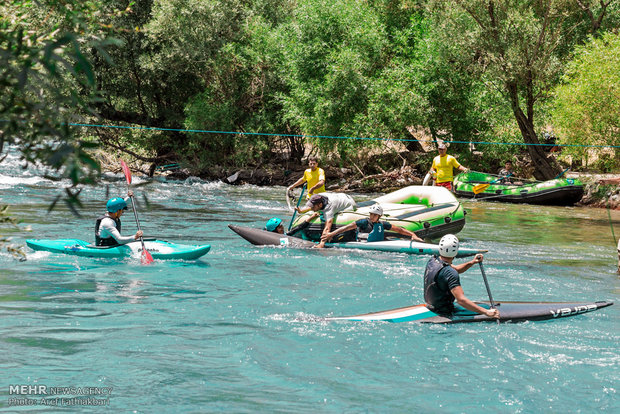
x=443 y=166
x=314 y=176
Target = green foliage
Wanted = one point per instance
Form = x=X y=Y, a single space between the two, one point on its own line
x=332 y=51
x=471 y=70
x=6 y=220
x=587 y=104
x=46 y=81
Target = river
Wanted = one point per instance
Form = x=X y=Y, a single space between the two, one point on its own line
x=241 y=329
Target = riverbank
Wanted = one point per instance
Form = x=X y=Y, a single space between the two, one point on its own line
x=367 y=178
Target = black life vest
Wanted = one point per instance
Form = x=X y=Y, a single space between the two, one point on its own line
x=107 y=241
x=438 y=300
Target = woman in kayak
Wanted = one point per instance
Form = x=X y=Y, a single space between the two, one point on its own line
x=442 y=285
x=108 y=226
x=371 y=226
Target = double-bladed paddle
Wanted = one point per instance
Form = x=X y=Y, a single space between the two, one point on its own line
x=146 y=257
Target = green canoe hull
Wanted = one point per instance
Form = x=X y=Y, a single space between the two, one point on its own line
x=558 y=192
x=430 y=212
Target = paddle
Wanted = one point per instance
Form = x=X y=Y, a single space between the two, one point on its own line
x=146 y=257
x=303 y=188
x=478 y=188
x=486 y=283
x=560 y=175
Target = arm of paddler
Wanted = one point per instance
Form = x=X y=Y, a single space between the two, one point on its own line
x=462 y=300
x=108 y=228
x=317 y=185
x=303 y=225
x=326 y=230
x=296 y=183
x=406 y=232
x=328 y=236
x=465 y=266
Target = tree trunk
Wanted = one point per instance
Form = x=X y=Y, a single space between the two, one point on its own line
x=544 y=168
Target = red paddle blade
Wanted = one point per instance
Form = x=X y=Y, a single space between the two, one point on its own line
x=146 y=257
x=126 y=171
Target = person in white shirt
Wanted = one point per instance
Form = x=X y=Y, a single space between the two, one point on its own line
x=331 y=204
x=108 y=226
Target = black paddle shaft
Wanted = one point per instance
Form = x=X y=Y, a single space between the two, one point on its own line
x=135 y=213
x=133 y=207
x=486 y=283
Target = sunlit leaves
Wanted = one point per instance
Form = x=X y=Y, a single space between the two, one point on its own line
x=587 y=106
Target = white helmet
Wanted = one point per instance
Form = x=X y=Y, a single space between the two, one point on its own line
x=448 y=245
x=376 y=209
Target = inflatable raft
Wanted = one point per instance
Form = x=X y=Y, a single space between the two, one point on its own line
x=430 y=212
x=559 y=192
x=508 y=312
x=159 y=249
x=266 y=238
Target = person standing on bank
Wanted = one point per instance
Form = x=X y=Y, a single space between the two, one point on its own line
x=108 y=226
x=330 y=204
x=443 y=167
x=442 y=285
x=314 y=176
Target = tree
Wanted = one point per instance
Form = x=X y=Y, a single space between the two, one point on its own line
x=196 y=64
x=46 y=82
x=332 y=52
x=518 y=46
x=587 y=104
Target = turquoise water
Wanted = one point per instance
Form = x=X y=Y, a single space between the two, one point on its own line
x=241 y=331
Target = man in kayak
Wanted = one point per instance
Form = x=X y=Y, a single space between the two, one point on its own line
x=314 y=176
x=330 y=204
x=108 y=226
x=372 y=227
x=443 y=167
x=442 y=285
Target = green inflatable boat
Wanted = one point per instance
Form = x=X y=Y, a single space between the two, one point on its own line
x=430 y=212
x=159 y=249
x=558 y=192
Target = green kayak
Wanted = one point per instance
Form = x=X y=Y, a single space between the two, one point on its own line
x=558 y=192
x=159 y=249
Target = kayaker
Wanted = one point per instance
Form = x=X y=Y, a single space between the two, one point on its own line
x=330 y=204
x=372 y=227
x=443 y=167
x=314 y=176
x=108 y=226
x=275 y=225
x=442 y=285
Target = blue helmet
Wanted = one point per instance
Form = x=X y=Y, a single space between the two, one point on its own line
x=115 y=204
x=273 y=224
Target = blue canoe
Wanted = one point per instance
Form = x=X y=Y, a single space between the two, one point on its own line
x=159 y=249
